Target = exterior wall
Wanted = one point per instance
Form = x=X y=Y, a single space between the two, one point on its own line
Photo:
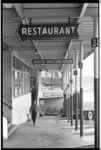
x=20 y=104
x=53 y=103
x=7 y=83
x=21 y=107
x=56 y=102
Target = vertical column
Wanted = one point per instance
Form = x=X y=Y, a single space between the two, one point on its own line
x=96 y=89
x=51 y=80
x=76 y=85
x=68 y=93
x=63 y=86
x=81 y=88
x=65 y=101
x=99 y=63
x=65 y=77
x=39 y=86
x=64 y=94
x=63 y=80
x=71 y=92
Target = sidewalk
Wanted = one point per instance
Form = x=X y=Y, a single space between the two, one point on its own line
x=50 y=132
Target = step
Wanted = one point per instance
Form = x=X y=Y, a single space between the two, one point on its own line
x=11 y=129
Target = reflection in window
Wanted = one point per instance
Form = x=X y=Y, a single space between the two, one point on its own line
x=28 y=83
x=16 y=83
x=25 y=84
x=20 y=84
x=13 y=83
x=21 y=78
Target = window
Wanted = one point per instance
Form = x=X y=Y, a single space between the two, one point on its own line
x=51 y=80
x=21 y=78
x=25 y=83
x=29 y=83
x=13 y=83
x=20 y=84
x=16 y=83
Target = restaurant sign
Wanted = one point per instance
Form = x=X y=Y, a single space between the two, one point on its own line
x=52 y=61
x=47 y=31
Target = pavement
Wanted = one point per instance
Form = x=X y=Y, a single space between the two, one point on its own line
x=50 y=132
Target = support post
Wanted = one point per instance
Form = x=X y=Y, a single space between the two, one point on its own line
x=65 y=100
x=81 y=88
x=64 y=91
x=71 y=93
x=62 y=81
x=76 y=90
x=96 y=89
x=68 y=93
x=51 y=80
x=99 y=63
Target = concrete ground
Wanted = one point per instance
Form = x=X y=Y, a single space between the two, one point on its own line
x=50 y=132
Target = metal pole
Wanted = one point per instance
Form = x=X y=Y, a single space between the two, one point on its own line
x=68 y=93
x=96 y=89
x=62 y=81
x=64 y=90
x=51 y=79
x=81 y=88
x=99 y=63
x=71 y=93
x=76 y=85
x=65 y=101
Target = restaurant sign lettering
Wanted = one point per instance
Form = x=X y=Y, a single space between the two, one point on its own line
x=47 y=31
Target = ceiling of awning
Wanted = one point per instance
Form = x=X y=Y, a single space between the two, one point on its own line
x=49 y=13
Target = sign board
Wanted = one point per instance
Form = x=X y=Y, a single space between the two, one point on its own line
x=68 y=85
x=80 y=65
x=94 y=42
x=75 y=72
x=52 y=61
x=71 y=81
x=47 y=31
x=53 y=94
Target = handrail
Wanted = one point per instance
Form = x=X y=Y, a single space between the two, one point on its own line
x=10 y=107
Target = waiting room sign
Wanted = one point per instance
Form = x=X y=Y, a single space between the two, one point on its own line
x=52 y=61
x=47 y=31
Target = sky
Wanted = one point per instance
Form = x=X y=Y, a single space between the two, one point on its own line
x=88 y=69
x=88 y=66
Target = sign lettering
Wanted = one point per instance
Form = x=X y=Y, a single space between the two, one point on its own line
x=47 y=31
x=94 y=42
x=52 y=61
